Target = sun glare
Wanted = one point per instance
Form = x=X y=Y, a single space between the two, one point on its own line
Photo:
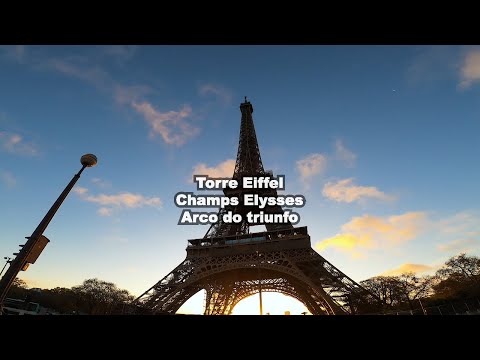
x=273 y=304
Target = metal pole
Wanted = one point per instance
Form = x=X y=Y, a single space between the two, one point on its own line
x=421 y=305
x=260 y=284
x=4 y=266
x=19 y=262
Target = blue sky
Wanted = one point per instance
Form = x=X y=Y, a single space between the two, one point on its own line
x=381 y=140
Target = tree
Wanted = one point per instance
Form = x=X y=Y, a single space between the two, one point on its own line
x=461 y=266
x=99 y=297
x=459 y=278
x=19 y=283
x=398 y=290
x=18 y=289
x=413 y=287
x=386 y=288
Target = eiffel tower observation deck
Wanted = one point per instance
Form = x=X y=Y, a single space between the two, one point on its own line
x=231 y=263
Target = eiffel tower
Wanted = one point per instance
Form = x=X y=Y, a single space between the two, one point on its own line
x=230 y=263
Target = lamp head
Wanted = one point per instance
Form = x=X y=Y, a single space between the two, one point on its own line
x=88 y=160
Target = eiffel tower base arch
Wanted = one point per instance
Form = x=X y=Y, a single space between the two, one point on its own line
x=237 y=267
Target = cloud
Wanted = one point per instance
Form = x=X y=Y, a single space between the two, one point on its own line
x=91 y=74
x=120 y=52
x=470 y=71
x=406 y=268
x=459 y=245
x=171 y=125
x=101 y=183
x=219 y=91
x=461 y=222
x=225 y=169
x=80 y=190
x=123 y=200
x=344 y=154
x=103 y=211
x=125 y=95
x=8 y=179
x=14 y=143
x=345 y=191
x=350 y=243
x=310 y=166
x=15 y=52
x=431 y=64
x=371 y=232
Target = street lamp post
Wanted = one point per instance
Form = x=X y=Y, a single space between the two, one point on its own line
x=36 y=242
x=6 y=263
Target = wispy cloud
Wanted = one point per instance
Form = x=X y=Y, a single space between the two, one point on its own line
x=460 y=245
x=89 y=73
x=171 y=125
x=345 y=191
x=122 y=200
x=459 y=232
x=371 y=232
x=343 y=154
x=432 y=63
x=461 y=222
x=121 y=53
x=15 y=144
x=126 y=95
x=407 y=268
x=217 y=90
x=80 y=190
x=311 y=166
x=8 y=178
x=15 y=52
x=103 y=211
x=101 y=183
x=223 y=169
x=470 y=70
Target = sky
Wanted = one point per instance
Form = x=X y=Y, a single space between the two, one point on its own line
x=381 y=140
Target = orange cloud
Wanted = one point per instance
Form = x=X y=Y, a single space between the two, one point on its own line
x=347 y=242
x=121 y=200
x=371 y=232
x=124 y=199
x=470 y=71
x=224 y=169
x=406 y=268
x=345 y=191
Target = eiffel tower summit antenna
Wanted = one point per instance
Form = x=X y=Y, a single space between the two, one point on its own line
x=231 y=263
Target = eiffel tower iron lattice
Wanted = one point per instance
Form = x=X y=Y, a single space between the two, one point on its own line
x=230 y=263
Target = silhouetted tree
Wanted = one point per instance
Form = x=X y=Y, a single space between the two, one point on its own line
x=413 y=287
x=398 y=290
x=99 y=297
x=461 y=266
x=19 y=283
x=386 y=288
x=18 y=290
x=459 y=278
